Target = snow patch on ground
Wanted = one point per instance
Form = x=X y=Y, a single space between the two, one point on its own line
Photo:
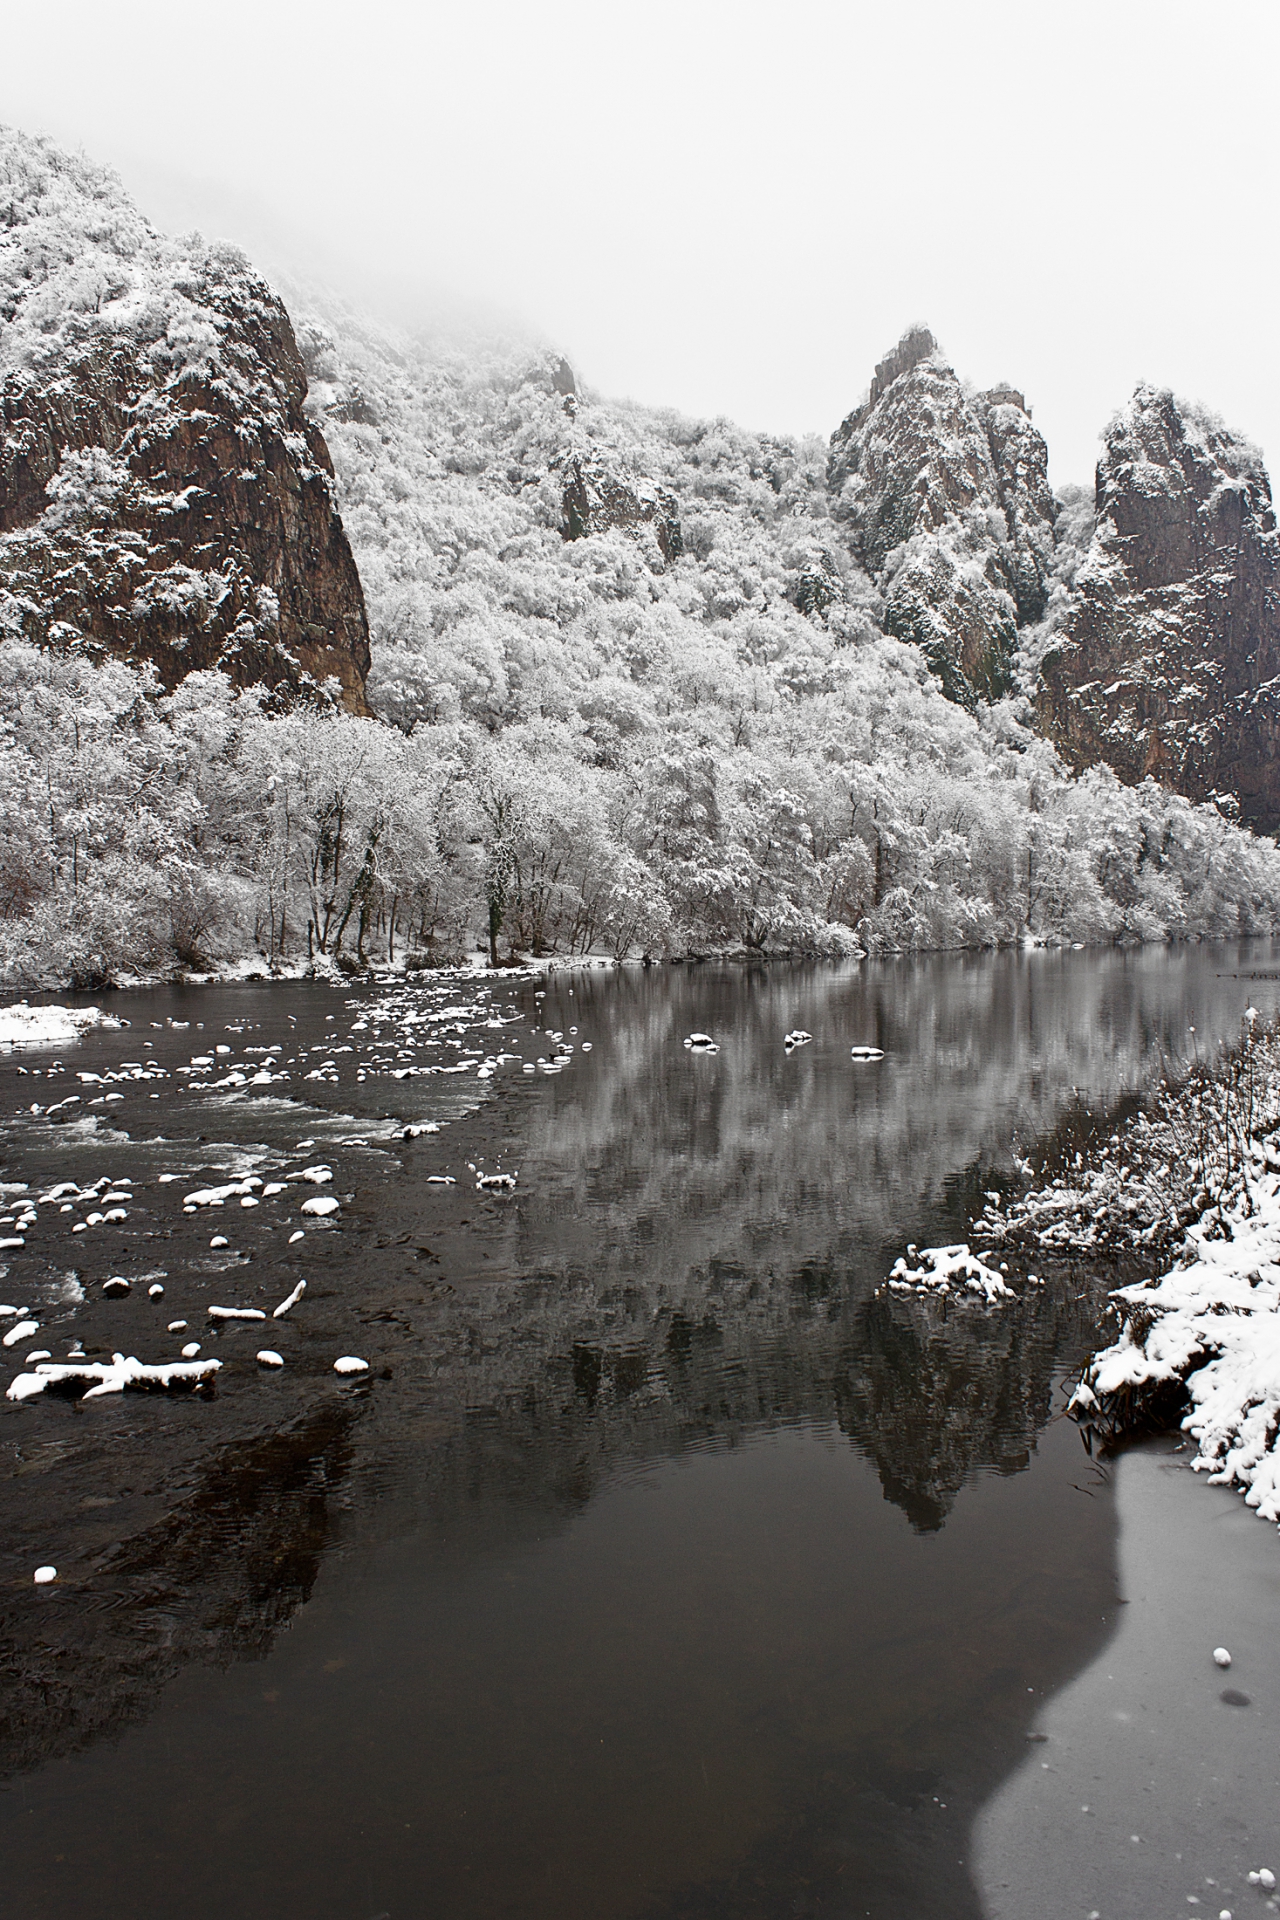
x=25 y=1026
x=1211 y=1324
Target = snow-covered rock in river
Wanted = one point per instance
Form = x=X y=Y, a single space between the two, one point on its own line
x=948 y=1270
x=25 y=1026
x=120 y=1376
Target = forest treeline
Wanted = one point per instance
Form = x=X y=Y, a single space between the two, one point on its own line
x=147 y=829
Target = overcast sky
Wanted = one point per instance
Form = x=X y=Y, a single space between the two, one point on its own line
x=729 y=208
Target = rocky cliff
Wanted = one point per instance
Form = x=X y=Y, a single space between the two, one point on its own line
x=163 y=496
x=1167 y=662
x=595 y=499
x=945 y=500
x=1160 y=653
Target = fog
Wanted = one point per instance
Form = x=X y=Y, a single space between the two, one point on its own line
x=727 y=209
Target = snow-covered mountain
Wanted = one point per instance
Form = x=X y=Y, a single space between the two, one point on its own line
x=635 y=682
x=1164 y=659
x=1144 y=625
x=944 y=497
x=163 y=498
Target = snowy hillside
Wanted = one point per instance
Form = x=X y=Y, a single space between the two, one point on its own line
x=162 y=497
x=635 y=688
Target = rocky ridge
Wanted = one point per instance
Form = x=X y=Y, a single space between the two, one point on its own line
x=1167 y=661
x=163 y=496
x=945 y=500
x=1154 y=647
x=167 y=497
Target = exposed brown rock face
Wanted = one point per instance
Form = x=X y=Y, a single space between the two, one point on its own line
x=595 y=500
x=1169 y=658
x=162 y=495
x=946 y=502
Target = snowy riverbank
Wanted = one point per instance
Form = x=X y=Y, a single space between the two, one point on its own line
x=1209 y=1328
x=1199 y=1338
x=1150 y=1783
x=1190 y=1186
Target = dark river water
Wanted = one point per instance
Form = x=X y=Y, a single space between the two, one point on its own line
x=660 y=1563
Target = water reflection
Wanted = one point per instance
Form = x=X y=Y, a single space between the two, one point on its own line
x=213 y=1580
x=636 y=1479
x=935 y=1390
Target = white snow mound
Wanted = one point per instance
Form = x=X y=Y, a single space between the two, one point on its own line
x=24 y=1026
x=121 y=1374
x=949 y=1270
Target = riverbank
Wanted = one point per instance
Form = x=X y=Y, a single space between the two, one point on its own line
x=1190 y=1185
x=343 y=969
x=1152 y=1782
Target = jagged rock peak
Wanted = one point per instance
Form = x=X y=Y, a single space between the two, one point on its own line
x=1167 y=660
x=1003 y=396
x=1175 y=481
x=163 y=496
x=945 y=499
x=916 y=344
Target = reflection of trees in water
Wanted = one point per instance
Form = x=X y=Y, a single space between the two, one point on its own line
x=554 y=1387
x=702 y=1236
x=939 y=1389
x=653 y=1154
x=214 y=1581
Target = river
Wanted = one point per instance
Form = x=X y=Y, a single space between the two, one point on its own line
x=659 y=1564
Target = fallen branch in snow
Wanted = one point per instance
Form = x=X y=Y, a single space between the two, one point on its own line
x=290 y=1300
x=122 y=1374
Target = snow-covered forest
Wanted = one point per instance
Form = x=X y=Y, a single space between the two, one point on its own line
x=632 y=695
